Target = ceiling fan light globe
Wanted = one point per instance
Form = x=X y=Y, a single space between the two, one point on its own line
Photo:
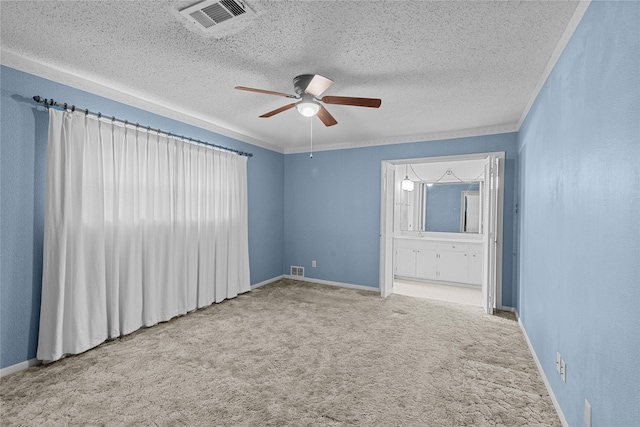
x=308 y=109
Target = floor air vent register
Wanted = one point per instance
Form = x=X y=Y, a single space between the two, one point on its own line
x=297 y=271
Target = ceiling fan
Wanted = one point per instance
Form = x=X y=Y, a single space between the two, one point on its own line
x=308 y=88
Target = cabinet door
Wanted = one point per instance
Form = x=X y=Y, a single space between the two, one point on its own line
x=453 y=266
x=405 y=262
x=475 y=268
x=426 y=263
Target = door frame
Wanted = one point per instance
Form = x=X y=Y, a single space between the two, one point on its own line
x=387 y=209
x=387 y=206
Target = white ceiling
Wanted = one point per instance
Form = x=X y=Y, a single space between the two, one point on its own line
x=442 y=68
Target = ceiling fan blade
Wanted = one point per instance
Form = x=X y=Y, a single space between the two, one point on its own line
x=326 y=117
x=278 y=110
x=348 y=100
x=268 y=92
x=318 y=84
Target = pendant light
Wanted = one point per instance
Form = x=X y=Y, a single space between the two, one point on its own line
x=407 y=184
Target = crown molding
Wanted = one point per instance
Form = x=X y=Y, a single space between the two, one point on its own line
x=433 y=136
x=111 y=90
x=582 y=7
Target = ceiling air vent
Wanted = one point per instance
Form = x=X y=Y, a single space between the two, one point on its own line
x=213 y=15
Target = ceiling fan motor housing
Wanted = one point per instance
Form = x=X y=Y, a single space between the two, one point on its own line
x=301 y=82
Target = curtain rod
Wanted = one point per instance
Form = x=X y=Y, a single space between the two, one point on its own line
x=51 y=102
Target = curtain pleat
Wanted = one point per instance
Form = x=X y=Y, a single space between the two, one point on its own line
x=139 y=228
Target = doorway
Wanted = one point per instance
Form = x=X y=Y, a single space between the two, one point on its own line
x=411 y=225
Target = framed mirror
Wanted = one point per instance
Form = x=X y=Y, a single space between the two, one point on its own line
x=444 y=212
x=442 y=207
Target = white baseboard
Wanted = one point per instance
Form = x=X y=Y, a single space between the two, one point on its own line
x=19 y=367
x=505 y=308
x=556 y=405
x=266 y=282
x=330 y=283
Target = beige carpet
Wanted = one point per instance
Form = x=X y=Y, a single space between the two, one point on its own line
x=300 y=354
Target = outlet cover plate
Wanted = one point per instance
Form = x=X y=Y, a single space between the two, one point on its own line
x=563 y=370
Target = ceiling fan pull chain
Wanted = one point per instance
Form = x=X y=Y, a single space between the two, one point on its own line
x=311 y=132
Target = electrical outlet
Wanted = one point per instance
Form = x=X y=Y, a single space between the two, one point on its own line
x=313 y=263
x=558 y=359
x=587 y=413
x=563 y=370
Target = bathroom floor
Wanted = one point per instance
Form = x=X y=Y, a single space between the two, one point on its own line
x=466 y=295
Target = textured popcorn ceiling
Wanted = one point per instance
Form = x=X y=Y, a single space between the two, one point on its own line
x=441 y=68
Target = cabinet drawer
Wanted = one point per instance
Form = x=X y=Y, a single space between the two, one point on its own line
x=427 y=245
x=475 y=248
x=416 y=244
x=453 y=247
x=405 y=244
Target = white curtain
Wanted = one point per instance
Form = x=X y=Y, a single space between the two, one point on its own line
x=139 y=228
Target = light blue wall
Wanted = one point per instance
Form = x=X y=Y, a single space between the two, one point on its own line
x=579 y=289
x=332 y=207
x=23 y=153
